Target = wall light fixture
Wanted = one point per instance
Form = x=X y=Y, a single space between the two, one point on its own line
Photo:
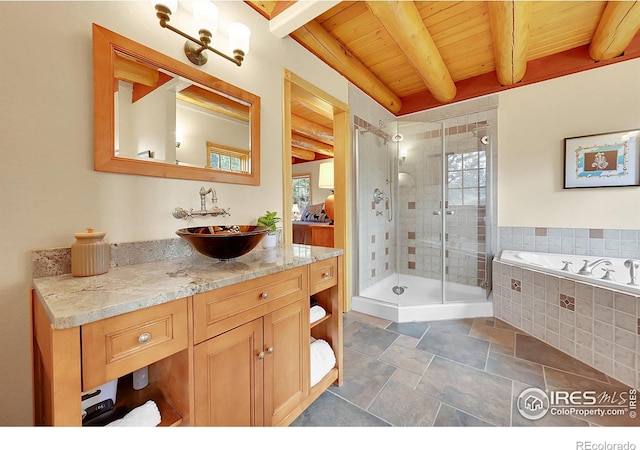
x=205 y=13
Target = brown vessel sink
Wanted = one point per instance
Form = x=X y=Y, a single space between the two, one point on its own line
x=223 y=241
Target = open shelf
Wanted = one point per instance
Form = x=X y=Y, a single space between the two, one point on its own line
x=319 y=321
x=130 y=398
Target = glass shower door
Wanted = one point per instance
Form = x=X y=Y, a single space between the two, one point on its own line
x=441 y=211
x=464 y=212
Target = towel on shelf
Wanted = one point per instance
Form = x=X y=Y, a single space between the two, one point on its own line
x=146 y=415
x=316 y=313
x=322 y=360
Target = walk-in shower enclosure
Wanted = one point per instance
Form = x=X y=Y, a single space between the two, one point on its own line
x=425 y=217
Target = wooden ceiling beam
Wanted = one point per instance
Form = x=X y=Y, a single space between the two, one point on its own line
x=510 y=35
x=132 y=71
x=618 y=25
x=403 y=22
x=304 y=143
x=321 y=43
x=306 y=155
x=311 y=129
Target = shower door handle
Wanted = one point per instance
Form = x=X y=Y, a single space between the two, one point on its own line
x=450 y=213
x=437 y=213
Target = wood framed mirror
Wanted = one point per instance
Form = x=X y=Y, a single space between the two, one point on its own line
x=156 y=116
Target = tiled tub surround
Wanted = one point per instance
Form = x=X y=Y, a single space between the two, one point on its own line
x=572 y=241
x=72 y=301
x=609 y=273
x=598 y=326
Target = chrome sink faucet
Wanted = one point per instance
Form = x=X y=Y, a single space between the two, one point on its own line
x=587 y=268
x=180 y=213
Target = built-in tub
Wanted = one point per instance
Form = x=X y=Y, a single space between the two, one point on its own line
x=594 y=320
x=568 y=266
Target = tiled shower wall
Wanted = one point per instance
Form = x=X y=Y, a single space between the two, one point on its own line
x=377 y=244
x=598 y=326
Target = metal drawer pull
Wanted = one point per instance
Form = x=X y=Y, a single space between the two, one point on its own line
x=144 y=338
x=326 y=275
x=261 y=355
x=270 y=350
x=264 y=295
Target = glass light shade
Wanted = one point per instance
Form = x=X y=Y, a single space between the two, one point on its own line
x=239 y=37
x=295 y=209
x=325 y=177
x=205 y=16
x=171 y=4
x=403 y=152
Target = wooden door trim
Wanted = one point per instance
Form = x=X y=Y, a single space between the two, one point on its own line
x=342 y=167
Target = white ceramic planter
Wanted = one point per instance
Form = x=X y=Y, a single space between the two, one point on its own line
x=270 y=240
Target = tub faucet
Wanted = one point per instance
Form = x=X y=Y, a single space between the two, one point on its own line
x=633 y=266
x=588 y=267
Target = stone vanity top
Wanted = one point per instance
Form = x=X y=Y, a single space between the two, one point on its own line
x=73 y=301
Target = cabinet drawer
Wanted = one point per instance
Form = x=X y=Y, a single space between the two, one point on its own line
x=217 y=311
x=323 y=275
x=119 y=345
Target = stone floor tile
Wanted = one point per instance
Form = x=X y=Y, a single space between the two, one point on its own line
x=403 y=407
x=457 y=347
x=474 y=391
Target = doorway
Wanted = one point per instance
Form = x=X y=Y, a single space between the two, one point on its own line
x=337 y=113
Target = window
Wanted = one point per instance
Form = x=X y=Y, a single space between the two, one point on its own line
x=467 y=178
x=302 y=190
x=228 y=159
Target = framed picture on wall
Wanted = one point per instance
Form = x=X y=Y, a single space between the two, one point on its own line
x=602 y=160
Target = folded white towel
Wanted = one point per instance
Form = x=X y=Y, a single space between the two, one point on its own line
x=322 y=360
x=316 y=313
x=146 y=415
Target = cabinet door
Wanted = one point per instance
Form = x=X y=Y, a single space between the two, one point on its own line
x=229 y=378
x=286 y=362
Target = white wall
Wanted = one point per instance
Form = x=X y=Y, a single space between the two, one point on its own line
x=533 y=122
x=48 y=188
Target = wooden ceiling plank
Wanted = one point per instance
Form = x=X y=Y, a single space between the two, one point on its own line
x=320 y=42
x=510 y=32
x=619 y=24
x=404 y=23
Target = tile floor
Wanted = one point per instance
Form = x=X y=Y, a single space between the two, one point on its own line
x=466 y=372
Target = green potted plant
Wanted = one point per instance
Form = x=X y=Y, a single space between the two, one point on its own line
x=270 y=219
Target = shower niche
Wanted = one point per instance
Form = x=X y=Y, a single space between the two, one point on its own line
x=425 y=238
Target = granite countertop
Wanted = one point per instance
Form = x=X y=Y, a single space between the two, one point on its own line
x=73 y=301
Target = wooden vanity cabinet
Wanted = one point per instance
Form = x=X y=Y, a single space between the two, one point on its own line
x=67 y=362
x=237 y=355
x=252 y=373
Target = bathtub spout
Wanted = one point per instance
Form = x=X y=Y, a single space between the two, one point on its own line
x=633 y=267
x=588 y=267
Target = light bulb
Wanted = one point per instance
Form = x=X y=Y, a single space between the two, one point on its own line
x=205 y=16
x=239 y=36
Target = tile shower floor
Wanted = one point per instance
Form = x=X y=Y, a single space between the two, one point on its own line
x=466 y=372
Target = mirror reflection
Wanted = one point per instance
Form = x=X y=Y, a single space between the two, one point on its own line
x=170 y=119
